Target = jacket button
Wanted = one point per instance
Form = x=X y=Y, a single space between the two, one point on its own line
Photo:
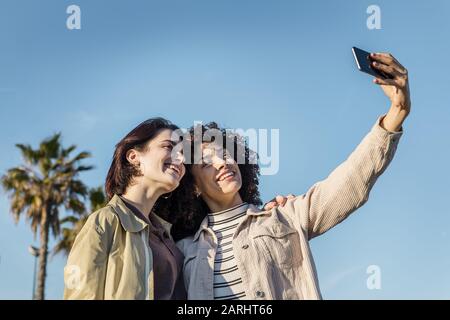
x=245 y=246
x=260 y=294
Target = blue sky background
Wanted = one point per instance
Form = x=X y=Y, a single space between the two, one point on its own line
x=246 y=64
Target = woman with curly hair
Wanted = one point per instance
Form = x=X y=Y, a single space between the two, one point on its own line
x=233 y=249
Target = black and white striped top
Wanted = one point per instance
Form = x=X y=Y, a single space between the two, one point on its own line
x=227 y=278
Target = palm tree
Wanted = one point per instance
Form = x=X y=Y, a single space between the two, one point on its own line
x=97 y=200
x=46 y=181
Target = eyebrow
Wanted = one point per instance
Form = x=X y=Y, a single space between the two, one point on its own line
x=170 y=141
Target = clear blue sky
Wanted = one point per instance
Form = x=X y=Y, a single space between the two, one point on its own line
x=246 y=64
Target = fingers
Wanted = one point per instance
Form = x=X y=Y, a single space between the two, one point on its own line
x=398 y=81
x=281 y=200
x=390 y=70
x=388 y=59
x=386 y=63
x=269 y=205
x=385 y=58
x=386 y=82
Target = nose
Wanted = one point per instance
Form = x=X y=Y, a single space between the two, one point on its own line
x=218 y=161
x=179 y=158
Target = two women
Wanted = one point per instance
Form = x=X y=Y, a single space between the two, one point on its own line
x=125 y=250
x=230 y=249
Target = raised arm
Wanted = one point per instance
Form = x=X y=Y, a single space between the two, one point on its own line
x=347 y=188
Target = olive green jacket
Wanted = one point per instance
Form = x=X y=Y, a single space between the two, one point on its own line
x=111 y=258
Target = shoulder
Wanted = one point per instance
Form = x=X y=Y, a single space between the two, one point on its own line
x=103 y=219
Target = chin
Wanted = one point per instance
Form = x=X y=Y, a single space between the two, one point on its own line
x=232 y=188
x=171 y=184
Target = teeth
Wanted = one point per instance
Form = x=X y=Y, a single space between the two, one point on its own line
x=174 y=168
x=223 y=177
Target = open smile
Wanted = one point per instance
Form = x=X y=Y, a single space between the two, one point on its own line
x=226 y=175
x=174 y=168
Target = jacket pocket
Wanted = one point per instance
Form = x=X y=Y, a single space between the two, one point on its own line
x=280 y=243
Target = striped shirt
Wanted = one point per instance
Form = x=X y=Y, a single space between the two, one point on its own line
x=227 y=278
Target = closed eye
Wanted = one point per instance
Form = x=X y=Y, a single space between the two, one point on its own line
x=204 y=165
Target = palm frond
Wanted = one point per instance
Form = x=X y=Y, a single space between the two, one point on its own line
x=30 y=155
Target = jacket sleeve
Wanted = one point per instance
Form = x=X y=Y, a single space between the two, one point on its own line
x=330 y=201
x=85 y=271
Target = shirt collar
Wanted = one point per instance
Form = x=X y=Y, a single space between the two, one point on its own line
x=252 y=211
x=227 y=213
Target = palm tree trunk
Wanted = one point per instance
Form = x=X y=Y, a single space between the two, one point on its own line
x=43 y=252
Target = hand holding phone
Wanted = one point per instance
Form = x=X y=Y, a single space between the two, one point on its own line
x=364 y=64
x=393 y=79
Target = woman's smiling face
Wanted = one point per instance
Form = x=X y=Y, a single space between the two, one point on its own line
x=157 y=163
x=218 y=176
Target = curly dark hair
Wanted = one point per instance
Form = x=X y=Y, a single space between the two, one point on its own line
x=183 y=208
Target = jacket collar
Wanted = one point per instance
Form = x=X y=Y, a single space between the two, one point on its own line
x=252 y=211
x=129 y=221
x=166 y=225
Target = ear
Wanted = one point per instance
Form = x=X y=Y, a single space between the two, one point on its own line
x=133 y=157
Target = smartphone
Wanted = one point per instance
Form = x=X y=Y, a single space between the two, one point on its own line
x=364 y=64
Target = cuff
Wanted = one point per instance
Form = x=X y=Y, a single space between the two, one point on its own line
x=382 y=135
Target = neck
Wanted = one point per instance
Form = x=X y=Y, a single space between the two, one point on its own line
x=225 y=203
x=142 y=197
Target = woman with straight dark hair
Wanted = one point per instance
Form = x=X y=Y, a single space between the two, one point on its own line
x=125 y=246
